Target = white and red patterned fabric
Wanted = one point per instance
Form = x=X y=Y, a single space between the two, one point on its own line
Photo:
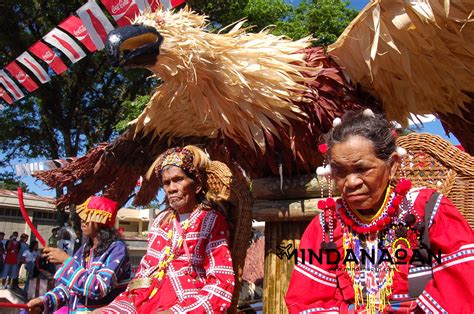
x=10 y=86
x=96 y=23
x=122 y=11
x=323 y=288
x=31 y=64
x=202 y=282
x=21 y=76
x=74 y=26
x=42 y=51
x=5 y=96
x=65 y=43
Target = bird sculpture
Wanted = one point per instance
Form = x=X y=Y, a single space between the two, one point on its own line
x=261 y=103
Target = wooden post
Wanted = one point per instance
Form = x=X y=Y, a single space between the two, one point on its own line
x=278 y=270
x=286 y=212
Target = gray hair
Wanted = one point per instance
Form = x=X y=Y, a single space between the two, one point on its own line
x=373 y=127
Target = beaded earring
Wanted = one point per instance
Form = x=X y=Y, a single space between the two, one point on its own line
x=329 y=204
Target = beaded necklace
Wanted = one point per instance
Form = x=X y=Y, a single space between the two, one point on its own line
x=372 y=282
x=169 y=252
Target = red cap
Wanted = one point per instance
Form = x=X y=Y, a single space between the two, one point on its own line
x=98 y=209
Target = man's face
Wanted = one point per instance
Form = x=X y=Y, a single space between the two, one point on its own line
x=2 y=236
x=180 y=189
x=24 y=238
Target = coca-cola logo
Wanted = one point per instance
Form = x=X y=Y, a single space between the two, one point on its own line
x=120 y=5
x=78 y=32
x=21 y=77
x=48 y=56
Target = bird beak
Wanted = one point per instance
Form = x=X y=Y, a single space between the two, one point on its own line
x=133 y=46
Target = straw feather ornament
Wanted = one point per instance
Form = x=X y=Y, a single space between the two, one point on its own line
x=261 y=102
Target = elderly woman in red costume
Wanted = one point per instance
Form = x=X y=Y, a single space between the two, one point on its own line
x=188 y=266
x=402 y=249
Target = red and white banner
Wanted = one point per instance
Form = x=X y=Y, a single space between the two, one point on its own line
x=122 y=11
x=170 y=4
x=5 y=96
x=21 y=76
x=42 y=51
x=65 y=43
x=31 y=64
x=96 y=23
x=153 y=5
x=74 y=26
x=10 y=86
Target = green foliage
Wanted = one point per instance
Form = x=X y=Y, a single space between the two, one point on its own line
x=324 y=19
x=132 y=108
x=8 y=182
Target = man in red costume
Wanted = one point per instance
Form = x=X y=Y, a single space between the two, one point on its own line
x=188 y=266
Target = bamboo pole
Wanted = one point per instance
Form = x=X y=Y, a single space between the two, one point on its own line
x=278 y=271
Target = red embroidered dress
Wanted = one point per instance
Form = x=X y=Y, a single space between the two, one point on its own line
x=325 y=288
x=201 y=282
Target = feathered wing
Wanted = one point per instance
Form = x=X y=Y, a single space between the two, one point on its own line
x=255 y=101
x=414 y=57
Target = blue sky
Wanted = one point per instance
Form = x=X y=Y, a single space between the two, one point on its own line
x=430 y=127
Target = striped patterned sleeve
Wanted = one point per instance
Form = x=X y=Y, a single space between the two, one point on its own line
x=99 y=279
x=55 y=299
x=216 y=295
x=451 y=289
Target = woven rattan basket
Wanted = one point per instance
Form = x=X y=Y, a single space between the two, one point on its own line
x=232 y=188
x=435 y=163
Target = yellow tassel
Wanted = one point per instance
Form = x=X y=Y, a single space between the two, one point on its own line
x=152 y=294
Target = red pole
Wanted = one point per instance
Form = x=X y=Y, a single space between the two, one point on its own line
x=27 y=219
x=13 y=305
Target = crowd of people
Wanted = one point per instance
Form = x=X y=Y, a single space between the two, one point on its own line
x=16 y=252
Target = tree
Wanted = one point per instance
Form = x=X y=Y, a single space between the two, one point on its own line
x=8 y=182
x=324 y=19
x=75 y=110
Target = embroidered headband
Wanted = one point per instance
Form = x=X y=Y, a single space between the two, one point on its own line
x=178 y=157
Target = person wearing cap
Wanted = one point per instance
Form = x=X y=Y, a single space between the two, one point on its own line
x=98 y=271
x=188 y=265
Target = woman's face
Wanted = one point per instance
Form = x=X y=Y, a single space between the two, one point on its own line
x=90 y=229
x=359 y=174
x=180 y=189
